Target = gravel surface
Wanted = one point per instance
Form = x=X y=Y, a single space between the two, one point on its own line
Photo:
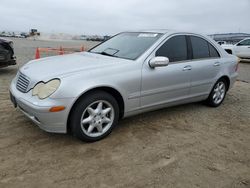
x=244 y=70
x=185 y=146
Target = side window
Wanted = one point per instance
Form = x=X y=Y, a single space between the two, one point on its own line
x=175 y=49
x=212 y=51
x=244 y=43
x=200 y=48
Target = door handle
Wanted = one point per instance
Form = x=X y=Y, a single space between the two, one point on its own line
x=187 y=68
x=216 y=64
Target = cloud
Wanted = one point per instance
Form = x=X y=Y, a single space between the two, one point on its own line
x=112 y=16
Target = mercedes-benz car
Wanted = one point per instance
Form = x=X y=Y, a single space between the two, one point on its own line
x=133 y=72
x=6 y=53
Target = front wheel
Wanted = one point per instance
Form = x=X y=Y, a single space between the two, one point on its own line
x=217 y=94
x=94 y=116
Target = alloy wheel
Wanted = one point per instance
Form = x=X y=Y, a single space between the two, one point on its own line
x=219 y=92
x=97 y=118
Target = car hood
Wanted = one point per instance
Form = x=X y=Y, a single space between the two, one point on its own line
x=5 y=40
x=65 y=65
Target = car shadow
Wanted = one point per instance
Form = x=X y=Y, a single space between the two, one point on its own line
x=161 y=113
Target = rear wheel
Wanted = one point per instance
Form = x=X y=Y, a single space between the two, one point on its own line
x=94 y=116
x=218 y=93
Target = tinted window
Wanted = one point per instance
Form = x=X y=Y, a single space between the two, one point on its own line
x=175 y=49
x=213 y=51
x=200 y=48
x=244 y=43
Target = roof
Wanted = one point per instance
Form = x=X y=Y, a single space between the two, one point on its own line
x=162 y=31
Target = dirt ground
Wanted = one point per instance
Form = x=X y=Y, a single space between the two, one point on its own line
x=185 y=146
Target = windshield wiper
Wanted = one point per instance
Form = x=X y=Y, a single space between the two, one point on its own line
x=110 y=52
x=107 y=54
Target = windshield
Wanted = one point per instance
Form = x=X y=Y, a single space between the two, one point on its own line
x=127 y=45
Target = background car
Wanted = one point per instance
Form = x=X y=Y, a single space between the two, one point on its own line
x=134 y=72
x=6 y=53
x=221 y=42
x=240 y=49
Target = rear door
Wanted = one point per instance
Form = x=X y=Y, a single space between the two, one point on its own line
x=205 y=64
x=242 y=49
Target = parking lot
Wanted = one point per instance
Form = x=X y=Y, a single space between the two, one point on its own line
x=185 y=146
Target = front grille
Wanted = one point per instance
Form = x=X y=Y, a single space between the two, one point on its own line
x=22 y=83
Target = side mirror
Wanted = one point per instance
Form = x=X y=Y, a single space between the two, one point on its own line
x=158 y=62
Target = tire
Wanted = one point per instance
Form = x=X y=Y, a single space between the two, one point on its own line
x=94 y=116
x=218 y=93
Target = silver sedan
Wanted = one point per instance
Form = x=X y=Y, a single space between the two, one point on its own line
x=87 y=93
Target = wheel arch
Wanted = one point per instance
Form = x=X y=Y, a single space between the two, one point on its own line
x=114 y=92
x=226 y=78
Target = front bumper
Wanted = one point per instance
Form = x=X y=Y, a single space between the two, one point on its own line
x=38 y=110
x=7 y=63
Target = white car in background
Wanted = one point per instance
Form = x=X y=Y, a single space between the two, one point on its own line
x=241 y=49
x=221 y=42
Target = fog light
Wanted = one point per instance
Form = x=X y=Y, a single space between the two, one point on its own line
x=57 y=108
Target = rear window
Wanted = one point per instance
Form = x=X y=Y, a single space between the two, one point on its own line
x=213 y=52
x=202 y=48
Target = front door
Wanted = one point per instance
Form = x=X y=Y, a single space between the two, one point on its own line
x=163 y=85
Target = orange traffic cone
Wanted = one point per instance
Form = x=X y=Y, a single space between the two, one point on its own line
x=82 y=48
x=37 y=55
x=61 y=51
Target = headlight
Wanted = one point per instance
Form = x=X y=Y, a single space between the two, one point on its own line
x=44 y=90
